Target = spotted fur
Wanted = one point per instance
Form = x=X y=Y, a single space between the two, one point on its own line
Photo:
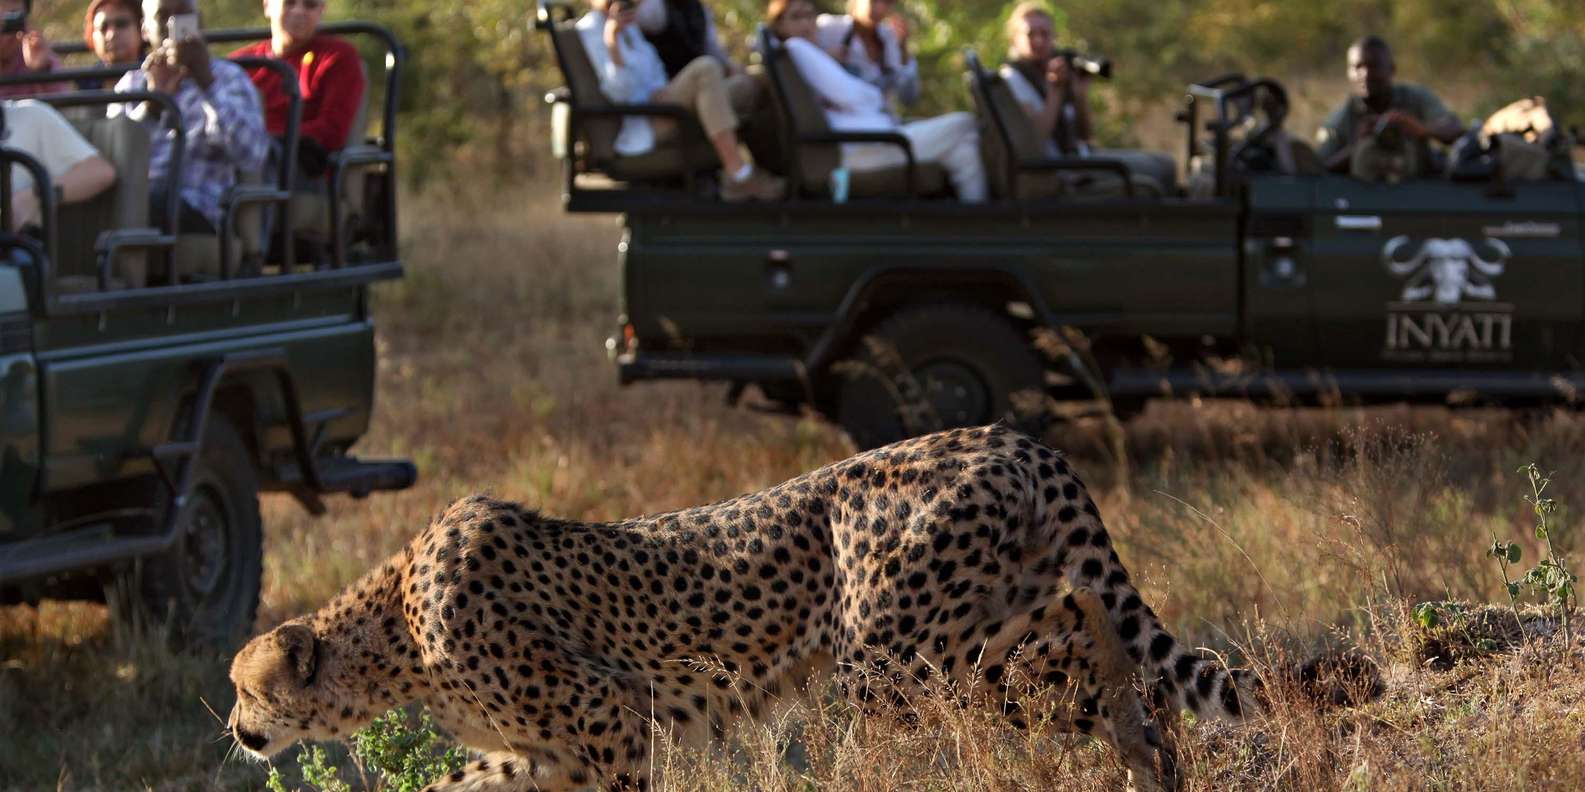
x=972 y=557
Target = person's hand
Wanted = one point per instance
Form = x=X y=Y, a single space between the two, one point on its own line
x=899 y=25
x=35 y=50
x=192 y=56
x=1407 y=124
x=617 y=17
x=164 y=75
x=1365 y=127
x=24 y=208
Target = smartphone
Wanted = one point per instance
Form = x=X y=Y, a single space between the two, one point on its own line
x=181 y=28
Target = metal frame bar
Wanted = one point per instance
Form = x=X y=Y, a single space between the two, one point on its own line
x=174 y=462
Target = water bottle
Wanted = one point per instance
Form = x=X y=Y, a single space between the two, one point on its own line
x=839 y=184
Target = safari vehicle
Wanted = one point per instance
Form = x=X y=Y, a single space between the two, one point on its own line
x=157 y=380
x=898 y=311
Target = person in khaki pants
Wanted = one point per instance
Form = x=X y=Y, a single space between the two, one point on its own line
x=631 y=71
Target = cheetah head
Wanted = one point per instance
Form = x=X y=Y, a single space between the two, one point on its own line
x=287 y=691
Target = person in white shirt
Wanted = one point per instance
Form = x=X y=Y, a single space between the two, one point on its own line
x=871 y=41
x=854 y=105
x=631 y=71
x=1057 y=99
x=74 y=166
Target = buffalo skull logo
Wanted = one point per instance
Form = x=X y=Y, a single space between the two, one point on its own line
x=1445 y=271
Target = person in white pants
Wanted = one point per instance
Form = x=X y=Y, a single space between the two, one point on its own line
x=853 y=105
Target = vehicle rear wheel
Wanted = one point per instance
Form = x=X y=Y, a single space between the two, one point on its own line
x=938 y=367
x=205 y=589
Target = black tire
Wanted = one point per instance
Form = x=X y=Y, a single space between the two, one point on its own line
x=935 y=367
x=205 y=591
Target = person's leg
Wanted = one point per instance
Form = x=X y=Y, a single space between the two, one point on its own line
x=701 y=87
x=954 y=141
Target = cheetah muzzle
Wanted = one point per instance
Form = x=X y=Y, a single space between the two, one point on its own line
x=556 y=647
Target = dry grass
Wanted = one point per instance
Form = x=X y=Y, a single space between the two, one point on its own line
x=1265 y=533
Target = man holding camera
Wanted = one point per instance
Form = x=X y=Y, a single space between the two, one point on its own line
x=1383 y=129
x=24 y=50
x=1054 y=89
x=219 y=112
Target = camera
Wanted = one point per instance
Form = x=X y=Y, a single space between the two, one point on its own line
x=1095 y=67
x=13 y=22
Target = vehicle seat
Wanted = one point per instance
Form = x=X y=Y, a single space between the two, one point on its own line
x=311 y=210
x=687 y=152
x=196 y=256
x=125 y=204
x=1009 y=137
x=801 y=114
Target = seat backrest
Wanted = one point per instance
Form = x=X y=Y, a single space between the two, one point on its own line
x=359 y=131
x=1009 y=135
x=801 y=114
x=598 y=134
x=125 y=143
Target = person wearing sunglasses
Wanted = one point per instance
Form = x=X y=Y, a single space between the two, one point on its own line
x=329 y=77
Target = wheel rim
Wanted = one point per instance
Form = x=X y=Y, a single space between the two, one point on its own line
x=206 y=538
x=955 y=392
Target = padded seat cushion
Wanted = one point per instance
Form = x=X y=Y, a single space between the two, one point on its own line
x=930 y=179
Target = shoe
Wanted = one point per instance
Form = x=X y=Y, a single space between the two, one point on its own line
x=759 y=186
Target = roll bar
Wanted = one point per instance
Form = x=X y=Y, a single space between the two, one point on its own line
x=1222 y=91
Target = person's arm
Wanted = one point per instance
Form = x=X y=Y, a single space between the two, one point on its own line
x=232 y=118
x=1440 y=122
x=1042 y=110
x=616 y=81
x=830 y=81
x=339 y=84
x=904 y=74
x=86 y=179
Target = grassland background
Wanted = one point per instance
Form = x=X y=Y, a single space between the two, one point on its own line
x=1254 y=531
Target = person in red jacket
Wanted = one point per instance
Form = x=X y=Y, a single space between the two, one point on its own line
x=329 y=77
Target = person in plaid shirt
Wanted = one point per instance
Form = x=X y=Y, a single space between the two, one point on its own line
x=219 y=108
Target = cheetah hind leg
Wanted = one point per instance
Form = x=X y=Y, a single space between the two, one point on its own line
x=508 y=772
x=1108 y=704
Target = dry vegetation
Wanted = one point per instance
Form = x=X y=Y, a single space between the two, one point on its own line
x=1264 y=533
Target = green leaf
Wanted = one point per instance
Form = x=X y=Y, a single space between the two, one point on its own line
x=1513 y=590
x=1513 y=553
x=1425 y=614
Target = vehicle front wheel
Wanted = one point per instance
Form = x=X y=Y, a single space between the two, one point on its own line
x=936 y=367
x=205 y=589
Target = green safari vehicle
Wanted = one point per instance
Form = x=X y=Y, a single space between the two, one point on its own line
x=900 y=311
x=156 y=381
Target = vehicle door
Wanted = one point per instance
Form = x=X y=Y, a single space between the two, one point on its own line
x=1436 y=274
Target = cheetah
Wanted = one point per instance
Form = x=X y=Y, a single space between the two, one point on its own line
x=555 y=648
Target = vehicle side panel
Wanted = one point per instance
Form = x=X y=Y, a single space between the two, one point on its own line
x=771 y=282
x=106 y=403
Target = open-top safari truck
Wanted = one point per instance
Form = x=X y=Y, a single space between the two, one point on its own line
x=901 y=309
x=156 y=380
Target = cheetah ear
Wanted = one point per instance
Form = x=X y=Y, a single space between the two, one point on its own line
x=301 y=648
